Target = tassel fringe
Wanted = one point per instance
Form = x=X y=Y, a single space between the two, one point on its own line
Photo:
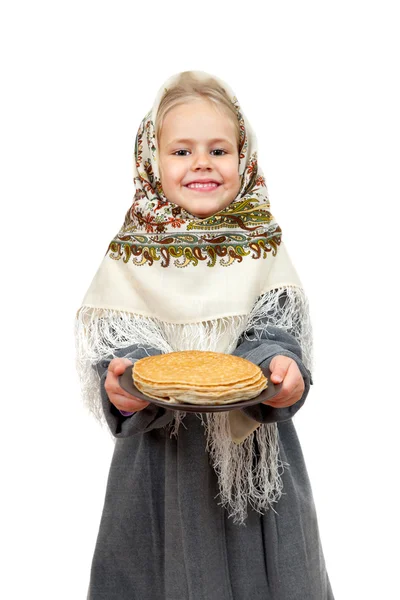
x=244 y=478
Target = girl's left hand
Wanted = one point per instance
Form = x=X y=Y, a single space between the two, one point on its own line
x=285 y=369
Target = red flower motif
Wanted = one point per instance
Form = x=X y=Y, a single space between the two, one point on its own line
x=251 y=167
x=260 y=181
x=160 y=204
x=146 y=220
x=147 y=186
x=176 y=223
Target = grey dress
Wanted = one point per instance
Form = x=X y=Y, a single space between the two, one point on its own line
x=162 y=534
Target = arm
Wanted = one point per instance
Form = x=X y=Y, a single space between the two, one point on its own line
x=142 y=421
x=272 y=342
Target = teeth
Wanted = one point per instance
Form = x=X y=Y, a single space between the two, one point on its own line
x=202 y=185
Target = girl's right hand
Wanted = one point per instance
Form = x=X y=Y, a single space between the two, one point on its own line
x=118 y=396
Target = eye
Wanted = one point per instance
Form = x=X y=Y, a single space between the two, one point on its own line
x=177 y=153
x=219 y=150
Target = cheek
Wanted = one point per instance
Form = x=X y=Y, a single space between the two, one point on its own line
x=234 y=180
x=235 y=187
x=172 y=173
x=232 y=173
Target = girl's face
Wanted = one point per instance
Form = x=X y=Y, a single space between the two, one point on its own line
x=199 y=159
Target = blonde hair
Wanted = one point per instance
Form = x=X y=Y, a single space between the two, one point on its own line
x=189 y=87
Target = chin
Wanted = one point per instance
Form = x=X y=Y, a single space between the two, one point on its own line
x=203 y=212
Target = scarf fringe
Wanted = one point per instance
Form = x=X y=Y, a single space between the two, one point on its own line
x=293 y=317
x=102 y=333
x=244 y=478
x=99 y=335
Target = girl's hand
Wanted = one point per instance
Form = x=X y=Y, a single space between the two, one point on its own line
x=118 y=396
x=285 y=369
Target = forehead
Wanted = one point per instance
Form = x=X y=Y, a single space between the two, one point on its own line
x=198 y=120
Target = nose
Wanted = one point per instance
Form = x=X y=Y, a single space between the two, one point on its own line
x=201 y=160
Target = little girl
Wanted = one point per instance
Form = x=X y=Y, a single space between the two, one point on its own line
x=201 y=506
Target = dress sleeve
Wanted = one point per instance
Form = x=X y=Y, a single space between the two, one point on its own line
x=261 y=350
x=142 y=421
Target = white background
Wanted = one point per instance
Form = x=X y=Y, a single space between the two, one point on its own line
x=317 y=80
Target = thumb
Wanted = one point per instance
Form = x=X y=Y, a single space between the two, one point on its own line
x=118 y=365
x=278 y=367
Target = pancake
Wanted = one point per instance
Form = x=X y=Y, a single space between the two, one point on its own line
x=198 y=377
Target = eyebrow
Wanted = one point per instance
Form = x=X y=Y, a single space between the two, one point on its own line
x=189 y=141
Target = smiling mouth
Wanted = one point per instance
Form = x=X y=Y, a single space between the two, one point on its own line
x=203 y=187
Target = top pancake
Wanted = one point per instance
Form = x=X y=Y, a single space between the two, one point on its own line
x=195 y=368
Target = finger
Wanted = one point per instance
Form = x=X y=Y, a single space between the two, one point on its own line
x=293 y=378
x=290 y=399
x=128 y=404
x=292 y=384
x=118 y=365
x=112 y=386
x=291 y=387
x=286 y=398
x=279 y=366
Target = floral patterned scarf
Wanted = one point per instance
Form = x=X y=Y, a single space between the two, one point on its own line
x=175 y=281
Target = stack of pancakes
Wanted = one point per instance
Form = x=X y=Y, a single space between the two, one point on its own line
x=198 y=377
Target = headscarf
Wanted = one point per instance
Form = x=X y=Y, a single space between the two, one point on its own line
x=178 y=282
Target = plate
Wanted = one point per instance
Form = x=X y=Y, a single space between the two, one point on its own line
x=126 y=382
